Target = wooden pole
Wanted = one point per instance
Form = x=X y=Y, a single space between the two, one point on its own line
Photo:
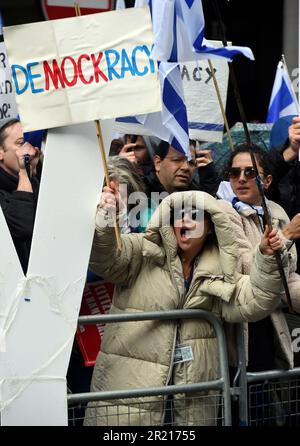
x=101 y=145
x=221 y=104
x=103 y=156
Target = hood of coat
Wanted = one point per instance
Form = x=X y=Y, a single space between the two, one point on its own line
x=161 y=234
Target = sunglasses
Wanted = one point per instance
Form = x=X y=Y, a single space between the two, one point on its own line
x=235 y=172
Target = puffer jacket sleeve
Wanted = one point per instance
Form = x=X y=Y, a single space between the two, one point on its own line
x=119 y=267
x=245 y=257
x=257 y=295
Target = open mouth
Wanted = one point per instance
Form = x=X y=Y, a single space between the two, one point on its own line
x=185 y=234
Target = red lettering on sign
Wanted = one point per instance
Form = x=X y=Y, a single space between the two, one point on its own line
x=82 y=78
x=55 y=74
x=70 y=70
x=97 y=70
x=74 y=72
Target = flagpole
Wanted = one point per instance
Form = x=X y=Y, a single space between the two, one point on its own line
x=221 y=104
x=103 y=156
x=249 y=142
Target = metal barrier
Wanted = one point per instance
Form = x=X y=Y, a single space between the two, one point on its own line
x=271 y=397
x=221 y=401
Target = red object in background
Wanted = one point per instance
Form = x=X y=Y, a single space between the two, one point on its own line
x=96 y=299
x=60 y=9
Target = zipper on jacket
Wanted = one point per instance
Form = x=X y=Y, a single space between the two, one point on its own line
x=171 y=367
x=179 y=306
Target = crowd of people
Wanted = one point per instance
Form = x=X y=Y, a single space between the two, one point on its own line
x=192 y=237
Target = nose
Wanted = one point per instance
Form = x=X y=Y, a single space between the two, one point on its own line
x=185 y=165
x=242 y=178
x=188 y=222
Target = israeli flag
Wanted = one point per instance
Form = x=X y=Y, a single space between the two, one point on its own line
x=178 y=27
x=283 y=101
x=171 y=123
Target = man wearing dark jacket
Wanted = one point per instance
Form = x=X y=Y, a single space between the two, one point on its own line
x=18 y=192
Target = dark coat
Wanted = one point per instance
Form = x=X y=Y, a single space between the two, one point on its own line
x=285 y=188
x=19 y=211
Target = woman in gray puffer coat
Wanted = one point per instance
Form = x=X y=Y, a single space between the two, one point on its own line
x=188 y=264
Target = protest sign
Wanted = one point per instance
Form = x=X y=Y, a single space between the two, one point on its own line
x=205 y=119
x=39 y=311
x=8 y=106
x=96 y=299
x=83 y=68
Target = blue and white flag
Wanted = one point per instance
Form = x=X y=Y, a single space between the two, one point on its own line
x=283 y=101
x=171 y=123
x=178 y=27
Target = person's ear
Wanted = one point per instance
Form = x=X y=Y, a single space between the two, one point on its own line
x=267 y=182
x=1 y=153
x=157 y=163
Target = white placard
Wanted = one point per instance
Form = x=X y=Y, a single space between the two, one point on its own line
x=79 y=69
x=203 y=109
x=8 y=106
x=39 y=312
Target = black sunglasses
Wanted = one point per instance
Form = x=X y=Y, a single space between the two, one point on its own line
x=235 y=172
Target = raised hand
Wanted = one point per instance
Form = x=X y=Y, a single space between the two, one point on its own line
x=110 y=198
x=270 y=242
x=127 y=151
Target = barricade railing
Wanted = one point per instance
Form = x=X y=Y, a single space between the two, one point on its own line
x=222 y=384
x=271 y=397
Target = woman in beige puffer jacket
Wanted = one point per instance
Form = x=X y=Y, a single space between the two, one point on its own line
x=148 y=272
x=243 y=195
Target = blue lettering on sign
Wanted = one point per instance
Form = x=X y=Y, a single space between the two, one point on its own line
x=28 y=76
x=119 y=63
x=14 y=76
x=111 y=64
x=126 y=61
x=145 y=49
x=33 y=76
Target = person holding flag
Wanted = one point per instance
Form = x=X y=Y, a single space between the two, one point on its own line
x=284 y=161
x=283 y=100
